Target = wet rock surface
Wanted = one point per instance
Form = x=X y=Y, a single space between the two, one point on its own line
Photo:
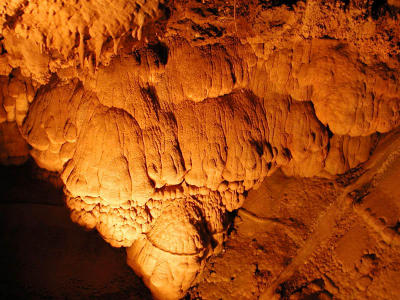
x=159 y=118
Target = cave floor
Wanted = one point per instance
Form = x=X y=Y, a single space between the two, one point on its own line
x=298 y=238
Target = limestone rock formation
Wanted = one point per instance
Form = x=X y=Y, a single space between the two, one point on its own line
x=161 y=117
x=41 y=37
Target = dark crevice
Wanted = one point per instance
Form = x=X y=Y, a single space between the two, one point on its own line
x=12 y=20
x=378 y=8
x=275 y=3
x=162 y=51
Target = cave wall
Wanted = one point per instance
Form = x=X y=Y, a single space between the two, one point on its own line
x=159 y=117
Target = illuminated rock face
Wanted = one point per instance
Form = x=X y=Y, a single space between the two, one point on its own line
x=157 y=140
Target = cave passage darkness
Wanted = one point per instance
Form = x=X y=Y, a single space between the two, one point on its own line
x=186 y=149
x=46 y=256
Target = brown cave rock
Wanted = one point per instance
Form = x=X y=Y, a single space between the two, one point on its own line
x=222 y=149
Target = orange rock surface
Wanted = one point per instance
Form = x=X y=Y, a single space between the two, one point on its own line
x=163 y=118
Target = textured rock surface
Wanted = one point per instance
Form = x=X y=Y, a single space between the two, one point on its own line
x=161 y=117
x=298 y=238
x=43 y=36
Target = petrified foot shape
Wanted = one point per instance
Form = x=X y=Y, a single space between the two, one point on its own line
x=173 y=252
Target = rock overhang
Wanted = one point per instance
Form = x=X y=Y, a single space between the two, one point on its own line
x=191 y=114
